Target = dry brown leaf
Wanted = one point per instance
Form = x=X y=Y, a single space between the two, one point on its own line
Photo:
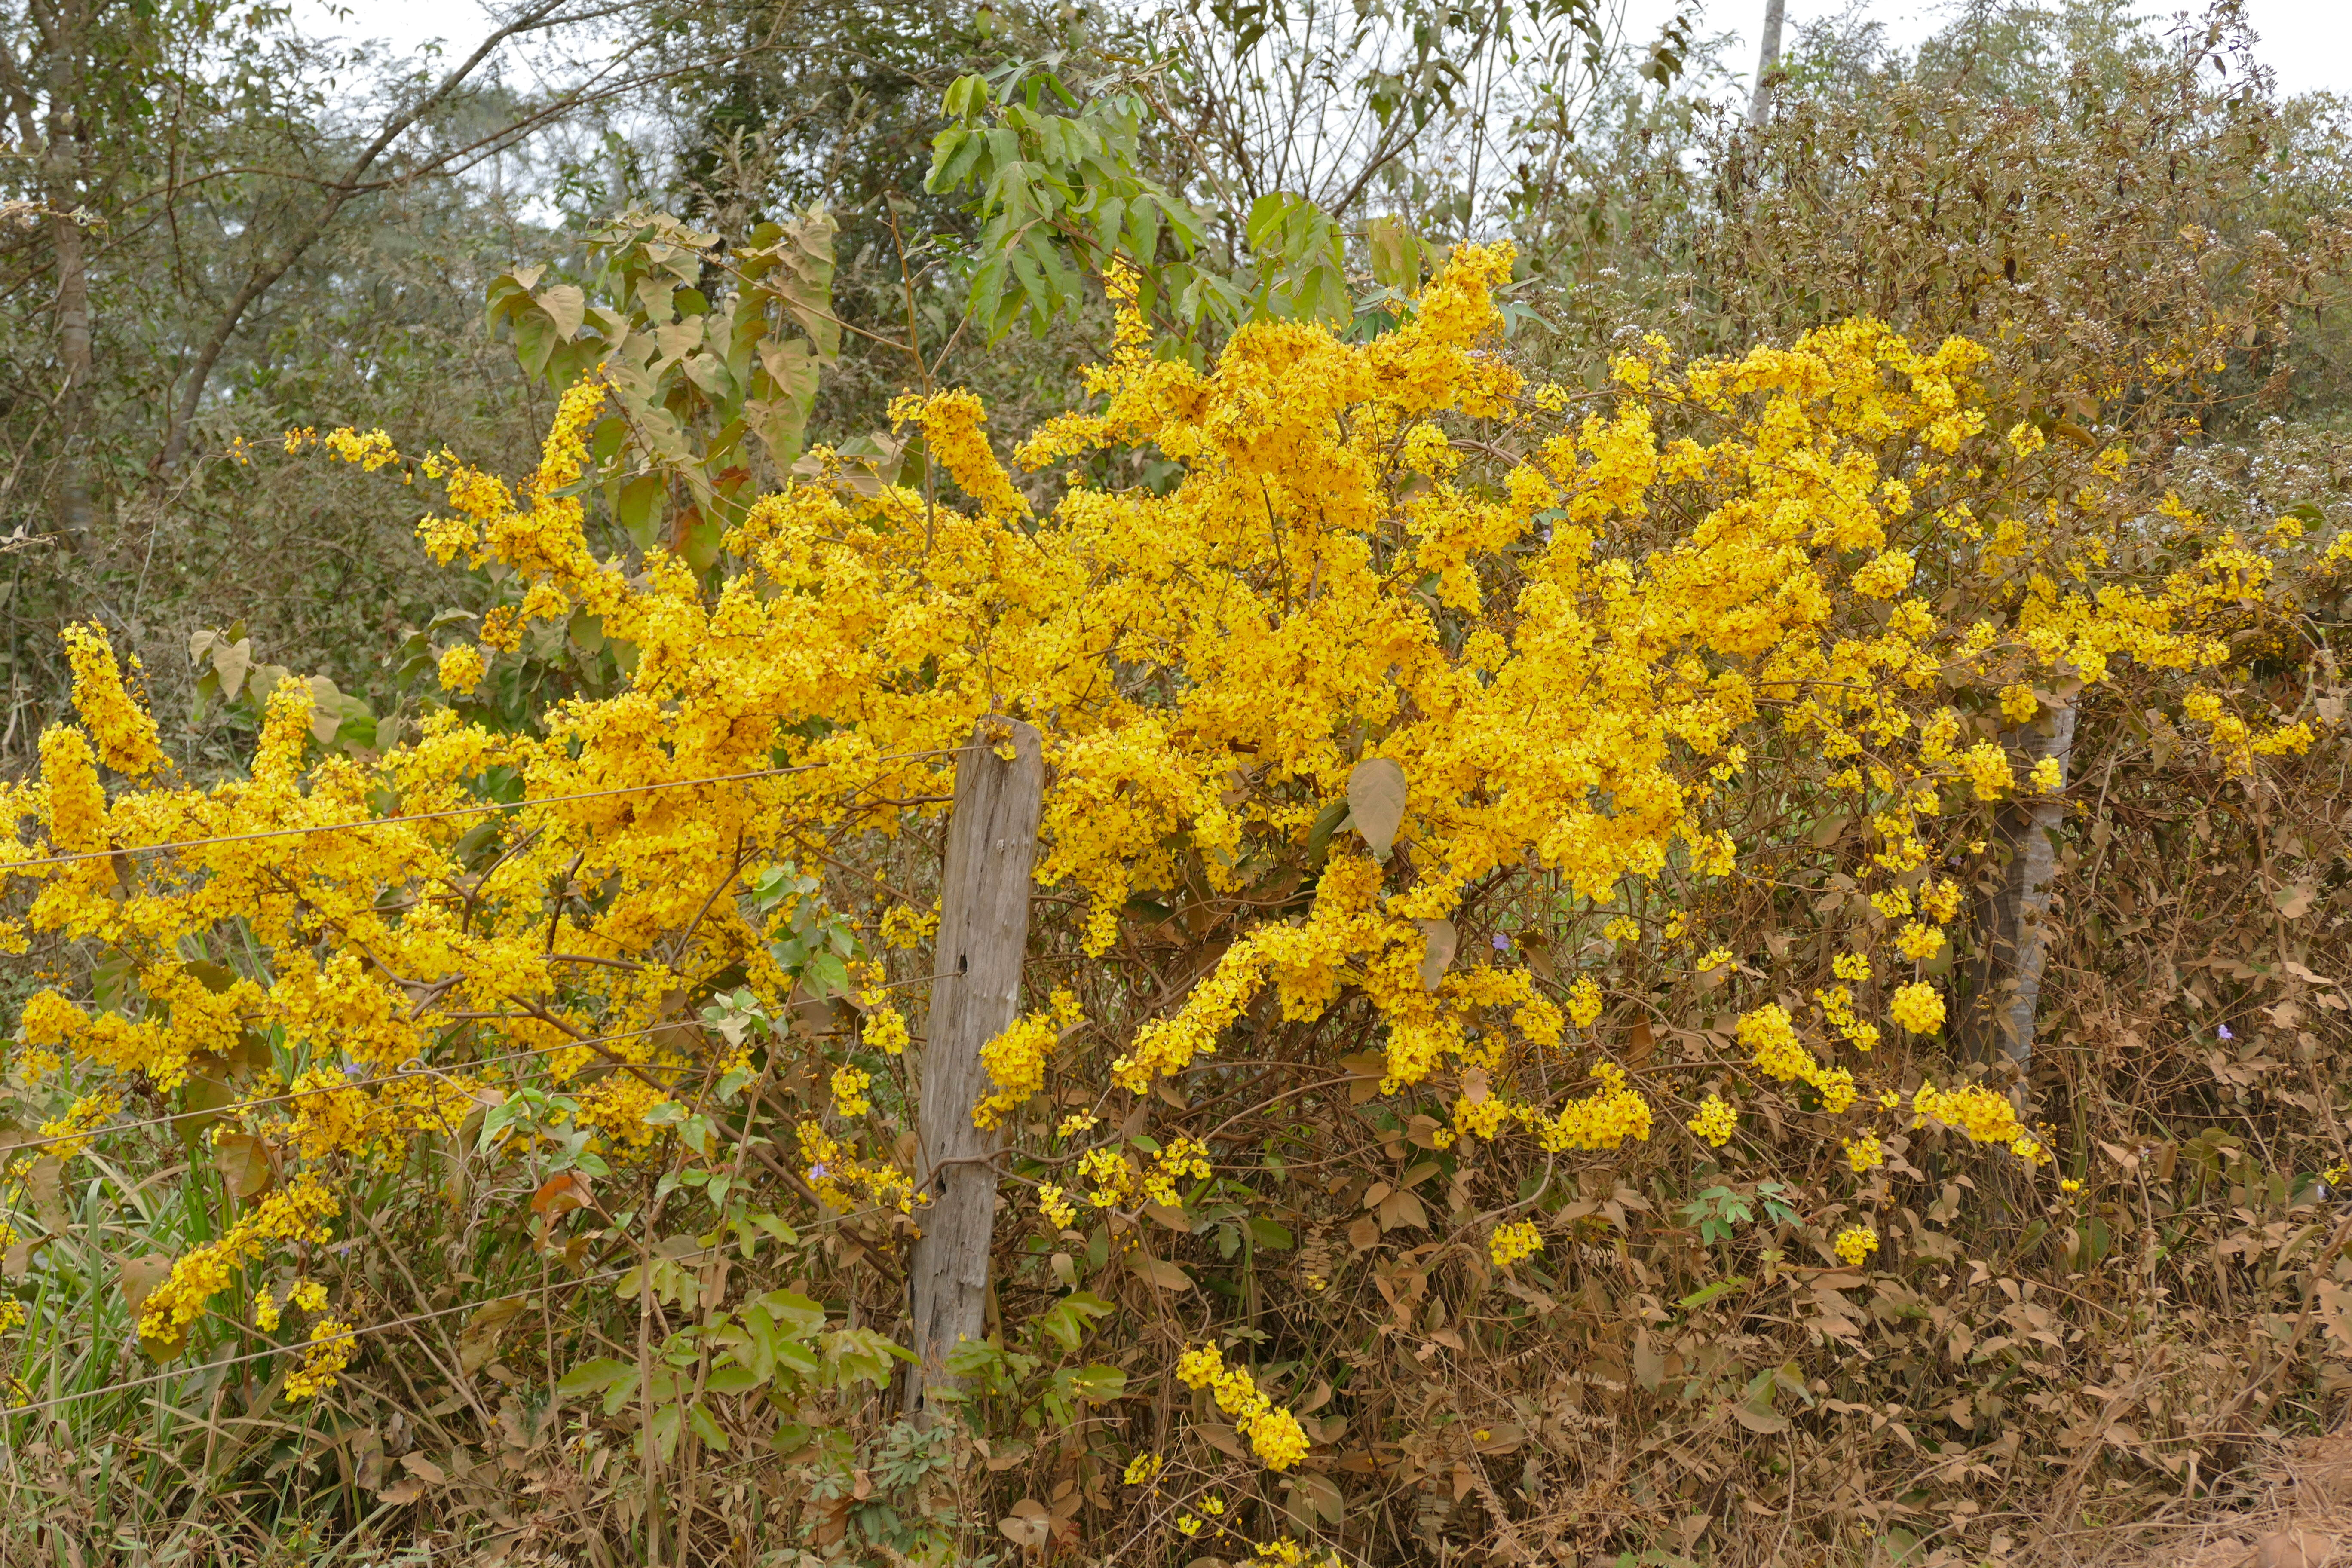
x=2291 y=1549
x=559 y=1195
x=1161 y=1274
x=1376 y=796
x=1175 y=1219
x=44 y=1185
x=1028 y=1526
x=243 y=1161
x=1223 y=1438
x=1439 y=939
x=138 y=1276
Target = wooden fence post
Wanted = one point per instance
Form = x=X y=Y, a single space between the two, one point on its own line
x=2014 y=937
x=975 y=994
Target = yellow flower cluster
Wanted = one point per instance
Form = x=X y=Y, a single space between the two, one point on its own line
x=303 y=1296
x=886 y=1030
x=1918 y=943
x=903 y=928
x=1510 y=1242
x=1855 y=1243
x=836 y=1173
x=1273 y=1431
x=333 y=1345
x=1770 y=1035
x=1054 y=1203
x=1567 y=659
x=1917 y=1007
x=297 y=1212
x=1016 y=1058
x=1865 y=1153
x=1716 y=1121
x=125 y=732
x=370 y=449
x=1185 y=1159
x=1837 y=1006
x=461 y=669
x=850 y=1083
x=1986 y=1116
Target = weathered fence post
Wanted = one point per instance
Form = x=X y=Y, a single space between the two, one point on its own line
x=975 y=994
x=2014 y=937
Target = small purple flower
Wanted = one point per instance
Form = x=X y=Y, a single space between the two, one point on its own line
x=1502 y=942
x=818 y=1172
x=2225 y=1033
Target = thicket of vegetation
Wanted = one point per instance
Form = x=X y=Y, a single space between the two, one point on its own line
x=1689 y=903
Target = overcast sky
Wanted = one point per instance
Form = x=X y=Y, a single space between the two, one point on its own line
x=2308 y=42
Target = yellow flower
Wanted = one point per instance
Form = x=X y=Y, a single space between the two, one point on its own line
x=1510 y=1242
x=886 y=1030
x=1887 y=574
x=849 y=1086
x=461 y=669
x=1986 y=1117
x=1917 y=1009
x=332 y=1346
x=1855 y=1243
x=1863 y=1154
x=1016 y=1061
x=1716 y=1121
x=903 y=928
x=1273 y=1431
x=1916 y=942
x=124 y=732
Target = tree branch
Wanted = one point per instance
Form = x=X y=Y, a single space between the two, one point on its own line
x=266 y=272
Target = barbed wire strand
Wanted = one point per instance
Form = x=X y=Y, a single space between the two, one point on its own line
x=476 y=810
x=416 y=1067
x=362 y=1330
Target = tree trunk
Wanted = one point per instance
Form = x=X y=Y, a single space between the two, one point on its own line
x=76 y=513
x=268 y=269
x=984 y=937
x=62 y=181
x=2013 y=917
x=1768 y=61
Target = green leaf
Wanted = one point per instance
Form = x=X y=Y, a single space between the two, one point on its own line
x=706 y=1428
x=733 y=1380
x=566 y=307
x=663 y=1428
x=1066 y=1321
x=594 y=1377
x=1700 y=1298
x=1269 y=1235
x=640 y=506
x=1100 y=1382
